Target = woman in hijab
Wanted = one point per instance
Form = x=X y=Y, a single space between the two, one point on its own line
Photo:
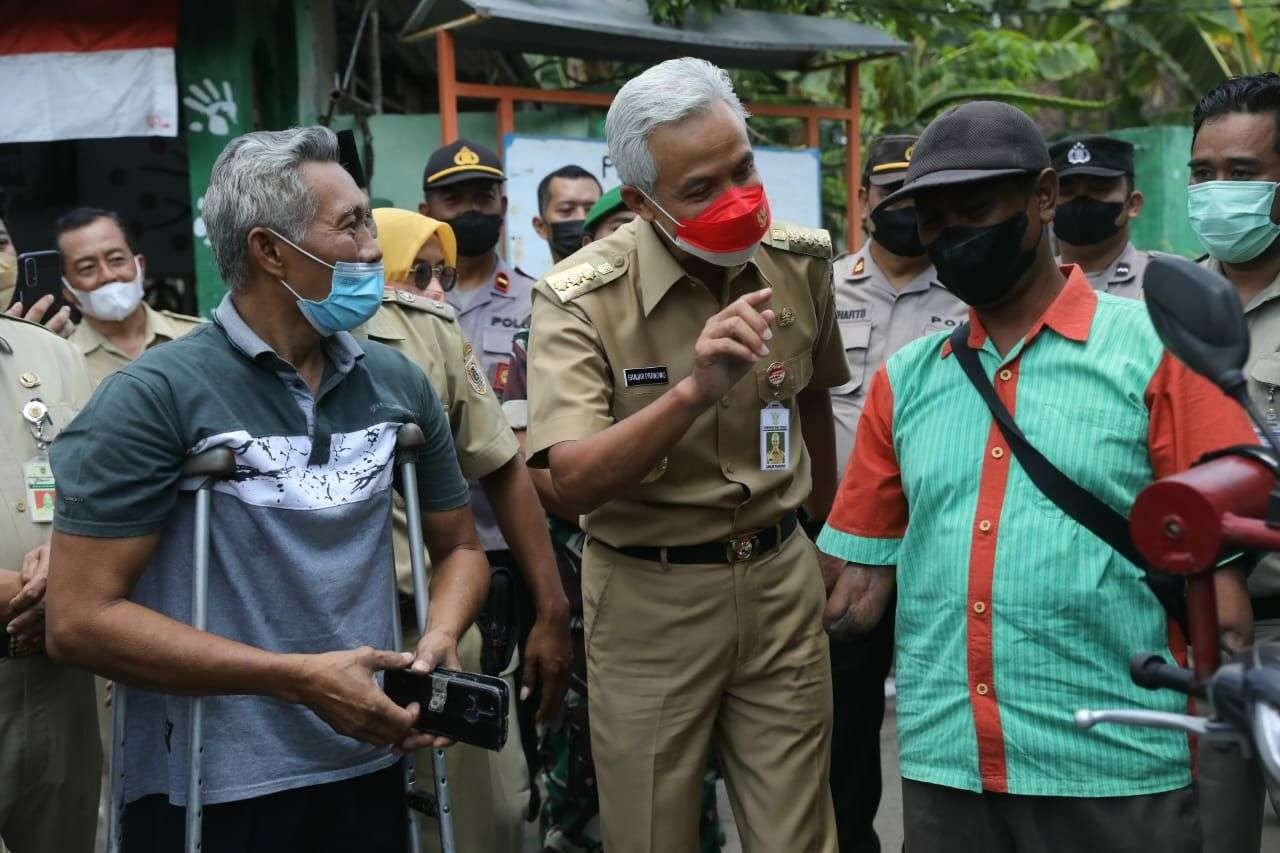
x=419 y=254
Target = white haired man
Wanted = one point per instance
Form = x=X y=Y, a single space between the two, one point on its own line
x=672 y=367
x=301 y=744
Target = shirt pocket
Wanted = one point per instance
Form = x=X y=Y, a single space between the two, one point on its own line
x=857 y=342
x=497 y=343
x=798 y=371
x=1265 y=370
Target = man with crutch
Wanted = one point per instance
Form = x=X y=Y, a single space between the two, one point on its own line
x=300 y=744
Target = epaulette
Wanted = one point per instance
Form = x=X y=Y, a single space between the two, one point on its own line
x=793 y=238
x=585 y=277
x=184 y=318
x=39 y=326
x=420 y=303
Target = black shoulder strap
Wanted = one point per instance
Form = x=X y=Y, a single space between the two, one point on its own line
x=1081 y=505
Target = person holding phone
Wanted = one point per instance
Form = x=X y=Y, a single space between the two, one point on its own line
x=103 y=276
x=59 y=321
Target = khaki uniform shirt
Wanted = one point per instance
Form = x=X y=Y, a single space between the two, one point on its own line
x=489 y=322
x=35 y=364
x=427 y=332
x=105 y=359
x=613 y=329
x=877 y=320
x=1262 y=371
x=1124 y=276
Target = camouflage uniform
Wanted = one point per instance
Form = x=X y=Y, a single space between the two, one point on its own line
x=570 y=806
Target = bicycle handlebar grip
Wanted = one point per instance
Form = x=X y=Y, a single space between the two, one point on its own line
x=1149 y=670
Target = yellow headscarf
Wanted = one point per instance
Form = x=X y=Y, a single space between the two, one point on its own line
x=401 y=234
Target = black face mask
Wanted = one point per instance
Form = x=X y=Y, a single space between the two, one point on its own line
x=896 y=231
x=981 y=265
x=566 y=238
x=477 y=232
x=1084 y=221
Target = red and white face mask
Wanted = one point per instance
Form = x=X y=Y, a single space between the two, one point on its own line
x=728 y=231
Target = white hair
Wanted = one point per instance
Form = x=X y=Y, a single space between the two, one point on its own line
x=668 y=92
x=256 y=183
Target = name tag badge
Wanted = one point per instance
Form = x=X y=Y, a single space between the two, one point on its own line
x=633 y=377
x=775 y=437
x=38 y=475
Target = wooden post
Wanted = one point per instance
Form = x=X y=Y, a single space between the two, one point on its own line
x=853 y=157
x=811 y=132
x=506 y=122
x=447 y=77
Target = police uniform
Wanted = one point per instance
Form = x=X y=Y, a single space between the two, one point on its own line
x=50 y=756
x=678 y=652
x=490 y=316
x=1105 y=157
x=877 y=320
x=104 y=358
x=490 y=789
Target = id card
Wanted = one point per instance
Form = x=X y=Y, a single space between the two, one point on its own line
x=775 y=437
x=38 y=476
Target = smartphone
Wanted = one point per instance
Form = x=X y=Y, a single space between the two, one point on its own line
x=463 y=706
x=39 y=275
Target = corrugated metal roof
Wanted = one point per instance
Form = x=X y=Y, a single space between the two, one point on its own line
x=623 y=30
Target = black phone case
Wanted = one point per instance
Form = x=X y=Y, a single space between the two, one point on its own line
x=463 y=706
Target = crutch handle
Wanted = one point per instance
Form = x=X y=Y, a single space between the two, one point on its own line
x=217 y=462
x=409 y=437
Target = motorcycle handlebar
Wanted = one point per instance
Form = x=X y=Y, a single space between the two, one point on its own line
x=1151 y=671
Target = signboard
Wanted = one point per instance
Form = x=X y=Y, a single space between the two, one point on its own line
x=792 y=178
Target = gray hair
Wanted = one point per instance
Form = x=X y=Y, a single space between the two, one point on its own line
x=668 y=92
x=256 y=183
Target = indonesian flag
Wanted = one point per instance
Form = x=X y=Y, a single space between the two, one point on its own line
x=84 y=69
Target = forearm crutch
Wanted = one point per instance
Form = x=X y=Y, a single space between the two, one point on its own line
x=409 y=440
x=214 y=464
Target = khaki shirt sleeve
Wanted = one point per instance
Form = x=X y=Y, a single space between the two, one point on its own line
x=830 y=367
x=570 y=384
x=481 y=435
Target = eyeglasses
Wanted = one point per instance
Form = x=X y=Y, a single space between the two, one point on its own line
x=422 y=274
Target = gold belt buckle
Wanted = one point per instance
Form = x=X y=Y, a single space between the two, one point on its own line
x=741 y=548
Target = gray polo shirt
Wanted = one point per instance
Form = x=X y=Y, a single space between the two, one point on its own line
x=300 y=537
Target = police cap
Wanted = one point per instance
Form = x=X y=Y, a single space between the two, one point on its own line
x=1103 y=156
x=459 y=161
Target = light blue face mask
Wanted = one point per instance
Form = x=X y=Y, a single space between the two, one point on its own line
x=1233 y=218
x=355 y=292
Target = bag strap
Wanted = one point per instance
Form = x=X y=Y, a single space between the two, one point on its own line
x=1081 y=505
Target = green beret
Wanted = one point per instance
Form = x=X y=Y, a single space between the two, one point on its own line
x=607 y=204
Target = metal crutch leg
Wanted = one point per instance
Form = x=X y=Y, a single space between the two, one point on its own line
x=414 y=841
x=409 y=440
x=214 y=464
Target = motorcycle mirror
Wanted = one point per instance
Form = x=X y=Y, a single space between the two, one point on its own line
x=1198 y=316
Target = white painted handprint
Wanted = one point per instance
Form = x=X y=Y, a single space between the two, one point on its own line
x=198 y=226
x=219 y=108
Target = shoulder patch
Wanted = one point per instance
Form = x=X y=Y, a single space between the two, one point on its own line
x=183 y=318
x=804 y=241
x=415 y=302
x=585 y=277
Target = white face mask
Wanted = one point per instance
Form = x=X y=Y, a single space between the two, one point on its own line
x=112 y=302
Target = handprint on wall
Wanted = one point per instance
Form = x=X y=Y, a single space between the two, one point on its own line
x=197 y=224
x=218 y=108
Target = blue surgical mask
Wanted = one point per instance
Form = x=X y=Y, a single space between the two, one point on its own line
x=1233 y=218
x=355 y=292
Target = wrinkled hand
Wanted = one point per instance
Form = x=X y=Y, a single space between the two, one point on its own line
x=858 y=600
x=730 y=343
x=340 y=688
x=26 y=609
x=548 y=655
x=60 y=323
x=832 y=568
x=436 y=648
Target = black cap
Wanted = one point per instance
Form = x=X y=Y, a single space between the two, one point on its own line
x=973 y=142
x=889 y=158
x=459 y=161
x=1103 y=156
